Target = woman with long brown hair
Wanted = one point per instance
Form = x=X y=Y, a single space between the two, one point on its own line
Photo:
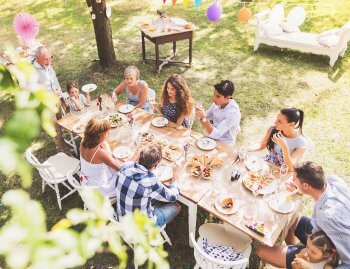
x=98 y=167
x=176 y=102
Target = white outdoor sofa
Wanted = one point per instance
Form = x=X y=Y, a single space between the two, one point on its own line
x=307 y=42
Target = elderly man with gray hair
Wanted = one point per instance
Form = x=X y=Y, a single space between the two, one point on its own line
x=47 y=75
x=48 y=78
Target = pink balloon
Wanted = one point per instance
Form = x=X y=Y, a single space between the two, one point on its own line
x=214 y=11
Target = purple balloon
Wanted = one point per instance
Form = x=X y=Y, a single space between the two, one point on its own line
x=214 y=11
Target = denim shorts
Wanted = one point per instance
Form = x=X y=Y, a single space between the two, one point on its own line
x=303 y=229
x=166 y=213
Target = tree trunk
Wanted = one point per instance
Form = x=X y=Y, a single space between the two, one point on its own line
x=103 y=33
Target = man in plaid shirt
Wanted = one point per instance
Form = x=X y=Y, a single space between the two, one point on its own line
x=138 y=187
x=331 y=214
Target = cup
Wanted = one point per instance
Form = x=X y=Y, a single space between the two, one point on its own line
x=199 y=105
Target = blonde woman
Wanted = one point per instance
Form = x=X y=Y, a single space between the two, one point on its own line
x=136 y=90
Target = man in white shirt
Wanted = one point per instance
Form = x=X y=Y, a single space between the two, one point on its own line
x=222 y=119
x=47 y=77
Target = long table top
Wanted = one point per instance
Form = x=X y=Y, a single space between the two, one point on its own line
x=197 y=190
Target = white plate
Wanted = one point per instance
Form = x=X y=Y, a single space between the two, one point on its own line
x=255 y=164
x=164 y=172
x=79 y=128
x=160 y=122
x=229 y=211
x=206 y=143
x=267 y=190
x=126 y=108
x=281 y=205
x=116 y=124
x=89 y=87
x=122 y=152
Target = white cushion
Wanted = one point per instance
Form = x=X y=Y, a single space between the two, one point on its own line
x=344 y=28
x=329 y=32
x=296 y=16
x=63 y=163
x=276 y=15
x=329 y=40
x=271 y=29
x=289 y=28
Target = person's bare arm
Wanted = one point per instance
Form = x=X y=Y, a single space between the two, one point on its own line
x=107 y=159
x=121 y=87
x=143 y=96
x=181 y=119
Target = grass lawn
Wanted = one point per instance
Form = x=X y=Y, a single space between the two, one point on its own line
x=266 y=81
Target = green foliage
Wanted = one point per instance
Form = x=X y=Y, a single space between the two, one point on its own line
x=25 y=240
x=33 y=104
x=26 y=243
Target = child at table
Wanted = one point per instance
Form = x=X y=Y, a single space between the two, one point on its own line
x=175 y=101
x=76 y=101
x=320 y=253
x=136 y=90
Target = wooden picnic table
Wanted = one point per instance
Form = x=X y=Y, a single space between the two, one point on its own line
x=196 y=191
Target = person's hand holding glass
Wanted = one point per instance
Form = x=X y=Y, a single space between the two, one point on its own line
x=200 y=112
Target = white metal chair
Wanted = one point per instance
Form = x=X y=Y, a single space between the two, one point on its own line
x=151 y=97
x=76 y=184
x=217 y=233
x=68 y=137
x=54 y=171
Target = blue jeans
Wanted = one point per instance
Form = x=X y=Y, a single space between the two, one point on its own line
x=166 y=213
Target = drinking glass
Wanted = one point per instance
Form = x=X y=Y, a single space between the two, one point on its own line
x=283 y=176
x=191 y=119
x=152 y=104
x=216 y=188
x=199 y=104
x=242 y=153
x=109 y=102
x=284 y=171
x=252 y=206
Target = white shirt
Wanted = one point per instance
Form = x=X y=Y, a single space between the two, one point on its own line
x=47 y=77
x=225 y=122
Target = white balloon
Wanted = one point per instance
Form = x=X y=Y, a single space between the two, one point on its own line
x=276 y=15
x=296 y=16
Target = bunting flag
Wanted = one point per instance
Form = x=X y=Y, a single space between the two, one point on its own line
x=164 y=1
x=197 y=3
x=186 y=3
x=174 y=2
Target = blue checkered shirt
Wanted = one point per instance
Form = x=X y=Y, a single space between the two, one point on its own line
x=136 y=187
x=331 y=214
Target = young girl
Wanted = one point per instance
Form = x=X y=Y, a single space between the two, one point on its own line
x=176 y=101
x=320 y=253
x=76 y=101
x=136 y=90
x=285 y=140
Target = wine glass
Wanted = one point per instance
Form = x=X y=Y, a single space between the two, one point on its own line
x=284 y=171
x=250 y=208
x=199 y=104
x=242 y=153
x=109 y=102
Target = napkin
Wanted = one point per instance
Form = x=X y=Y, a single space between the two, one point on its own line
x=257 y=227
